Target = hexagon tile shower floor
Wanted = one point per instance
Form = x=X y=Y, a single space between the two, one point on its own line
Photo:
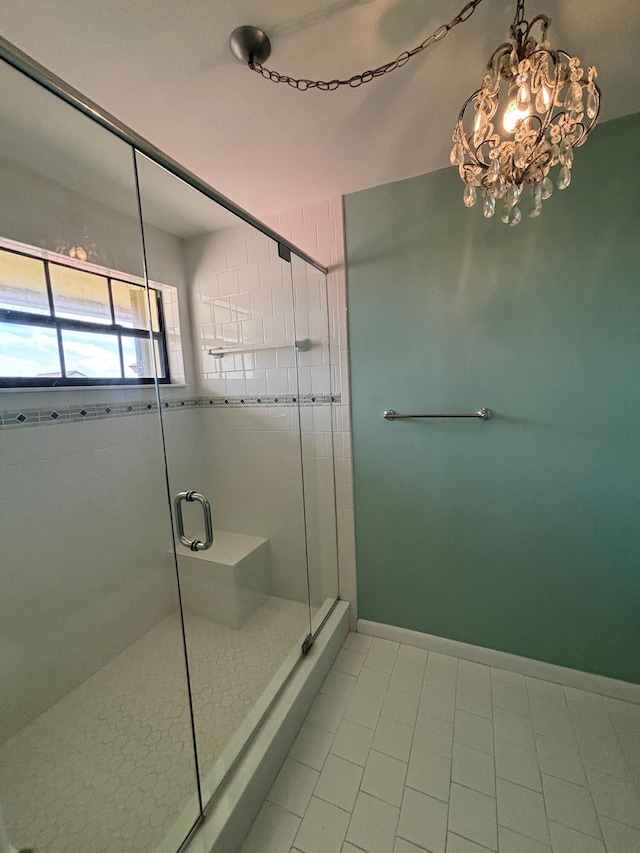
x=109 y=767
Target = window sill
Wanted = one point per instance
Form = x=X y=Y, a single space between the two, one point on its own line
x=75 y=388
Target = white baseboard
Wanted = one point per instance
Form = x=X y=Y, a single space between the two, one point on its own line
x=503 y=660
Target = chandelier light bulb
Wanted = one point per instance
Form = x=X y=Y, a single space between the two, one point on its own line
x=535 y=107
x=513 y=114
x=78 y=252
x=544 y=99
x=524 y=98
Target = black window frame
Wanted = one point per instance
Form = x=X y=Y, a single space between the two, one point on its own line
x=113 y=330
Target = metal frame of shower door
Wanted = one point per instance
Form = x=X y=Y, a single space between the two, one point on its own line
x=19 y=60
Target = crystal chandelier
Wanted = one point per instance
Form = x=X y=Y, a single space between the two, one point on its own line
x=534 y=108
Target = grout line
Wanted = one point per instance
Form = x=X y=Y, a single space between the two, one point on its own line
x=603 y=773
x=544 y=799
x=453 y=744
x=457 y=835
x=495 y=768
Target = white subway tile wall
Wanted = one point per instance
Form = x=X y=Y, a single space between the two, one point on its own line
x=252 y=470
x=79 y=582
x=242 y=296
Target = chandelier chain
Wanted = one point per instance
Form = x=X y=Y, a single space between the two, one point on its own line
x=303 y=84
x=519 y=19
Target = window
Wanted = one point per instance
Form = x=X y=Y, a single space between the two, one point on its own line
x=64 y=326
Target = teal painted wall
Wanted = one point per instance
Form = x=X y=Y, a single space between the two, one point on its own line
x=520 y=533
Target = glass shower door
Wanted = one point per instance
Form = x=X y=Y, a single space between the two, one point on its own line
x=96 y=747
x=232 y=431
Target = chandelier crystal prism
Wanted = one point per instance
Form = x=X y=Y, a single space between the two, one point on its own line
x=535 y=107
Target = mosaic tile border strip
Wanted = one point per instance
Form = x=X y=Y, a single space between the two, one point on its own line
x=271 y=400
x=99 y=411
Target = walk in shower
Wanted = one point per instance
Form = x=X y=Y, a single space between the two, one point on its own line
x=165 y=363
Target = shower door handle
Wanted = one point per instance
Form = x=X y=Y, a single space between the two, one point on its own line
x=190 y=497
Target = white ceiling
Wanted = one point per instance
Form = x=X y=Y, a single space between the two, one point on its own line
x=163 y=67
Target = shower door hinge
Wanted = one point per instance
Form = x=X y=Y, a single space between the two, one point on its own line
x=308 y=642
x=284 y=252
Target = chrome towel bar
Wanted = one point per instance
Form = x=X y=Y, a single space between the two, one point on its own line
x=483 y=415
x=301 y=346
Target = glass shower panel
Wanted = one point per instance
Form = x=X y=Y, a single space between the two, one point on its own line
x=317 y=368
x=96 y=749
x=231 y=421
